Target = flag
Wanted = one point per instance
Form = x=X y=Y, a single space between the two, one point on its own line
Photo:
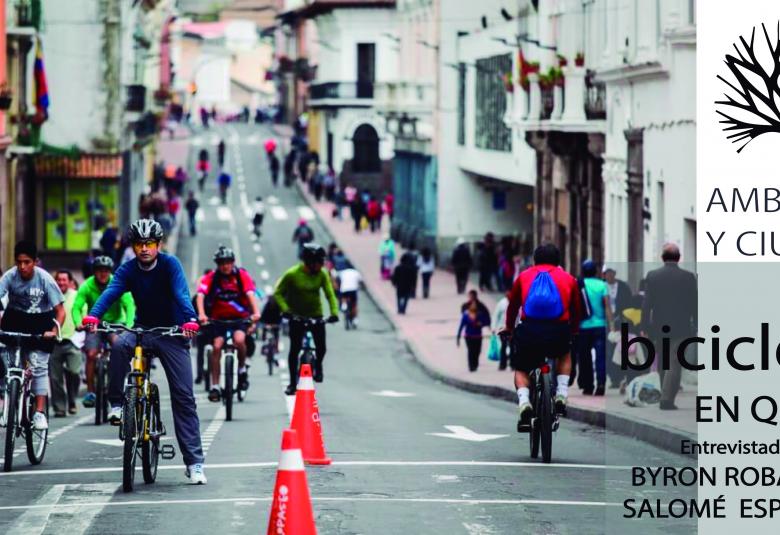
x=41 y=88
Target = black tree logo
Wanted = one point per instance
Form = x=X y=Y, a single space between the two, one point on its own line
x=751 y=105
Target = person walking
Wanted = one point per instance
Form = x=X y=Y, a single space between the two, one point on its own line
x=374 y=214
x=461 y=263
x=386 y=256
x=474 y=298
x=620 y=298
x=671 y=299
x=403 y=279
x=273 y=162
x=65 y=362
x=472 y=321
x=426 y=265
x=192 y=206
x=221 y=153
x=357 y=210
x=499 y=319
x=593 y=331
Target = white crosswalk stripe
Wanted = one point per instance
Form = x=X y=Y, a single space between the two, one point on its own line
x=306 y=213
x=279 y=212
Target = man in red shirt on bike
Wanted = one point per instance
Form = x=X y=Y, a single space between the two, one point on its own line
x=551 y=312
x=229 y=294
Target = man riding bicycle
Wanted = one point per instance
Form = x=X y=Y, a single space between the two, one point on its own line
x=551 y=311
x=298 y=292
x=302 y=235
x=349 y=284
x=34 y=303
x=159 y=288
x=122 y=311
x=229 y=292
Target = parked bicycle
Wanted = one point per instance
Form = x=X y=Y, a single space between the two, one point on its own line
x=141 y=426
x=19 y=402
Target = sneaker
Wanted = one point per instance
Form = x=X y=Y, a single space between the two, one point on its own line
x=195 y=474
x=243 y=380
x=354 y=323
x=599 y=390
x=39 y=421
x=318 y=374
x=72 y=410
x=214 y=394
x=560 y=405
x=59 y=414
x=89 y=400
x=290 y=390
x=115 y=415
x=525 y=411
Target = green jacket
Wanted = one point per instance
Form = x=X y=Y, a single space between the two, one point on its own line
x=122 y=311
x=298 y=292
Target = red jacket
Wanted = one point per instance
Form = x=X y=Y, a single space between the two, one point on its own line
x=373 y=210
x=567 y=286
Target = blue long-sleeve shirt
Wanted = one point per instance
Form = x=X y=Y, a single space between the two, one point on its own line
x=161 y=295
x=473 y=328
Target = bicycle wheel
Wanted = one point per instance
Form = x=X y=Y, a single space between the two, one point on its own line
x=150 y=450
x=207 y=356
x=227 y=394
x=35 y=438
x=546 y=417
x=100 y=380
x=130 y=431
x=535 y=433
x=269 y=358
x=11 y=418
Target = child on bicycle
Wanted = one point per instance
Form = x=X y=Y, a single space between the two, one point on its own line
x=35 y=302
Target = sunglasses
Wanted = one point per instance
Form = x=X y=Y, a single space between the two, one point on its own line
x=151 y=244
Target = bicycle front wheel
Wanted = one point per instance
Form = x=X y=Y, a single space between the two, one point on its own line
x=534 y=434
x=11 y=419
x=227 y=395
x=36 y=438
x=100 y=400
x=150 y=451
x=130 y=431
x=546 y=417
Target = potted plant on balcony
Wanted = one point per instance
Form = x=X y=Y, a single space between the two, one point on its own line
x=6 y=97
x=546 y=81
x=509 y=85
x=555 y=75
x=562 y=61
x=579 y=59
x=162 y=95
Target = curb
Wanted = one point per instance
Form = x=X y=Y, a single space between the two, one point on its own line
x=667 y=439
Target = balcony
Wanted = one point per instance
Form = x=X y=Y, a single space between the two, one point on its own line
x=404 y=96
x=341 y=94
x=136 y=98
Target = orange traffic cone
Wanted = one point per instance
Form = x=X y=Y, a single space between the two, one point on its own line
x=291 y=512
x=306 y=420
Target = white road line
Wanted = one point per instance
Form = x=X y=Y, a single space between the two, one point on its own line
x=268 y=289
x=224 y=213
x=260 y=261
x=200 y=216
x=306 y=213
x=257 y=247
x=214 y=427
x=72 y=425
x=36 y=517
x=265 y=275
x=244 y=199
x=195 y=261
x=279 y=212
x=273 y=199
x=245 y=499
x=214 y=201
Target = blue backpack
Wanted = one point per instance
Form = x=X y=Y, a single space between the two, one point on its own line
x=543 y=301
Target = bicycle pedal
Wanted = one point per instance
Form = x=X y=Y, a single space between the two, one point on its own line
x=167 y=452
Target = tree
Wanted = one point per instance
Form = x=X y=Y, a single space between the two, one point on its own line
x=755 y=111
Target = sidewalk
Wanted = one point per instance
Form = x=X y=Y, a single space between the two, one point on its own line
x=175 y=151
x=429 y=328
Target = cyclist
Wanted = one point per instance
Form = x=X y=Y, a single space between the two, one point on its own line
x=302 y=235
x=224 y=180
x=34 y=300
x=230 y=293
x=257 y=220
x=203 y=167
x=551 y=310
x=349 y=284
x=271 y=318
x=122 y=311
x=298 y=292
x=158 y=285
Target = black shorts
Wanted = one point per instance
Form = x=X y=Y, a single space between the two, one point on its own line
x=351 y=296
x=220 y=331
x=535 y=341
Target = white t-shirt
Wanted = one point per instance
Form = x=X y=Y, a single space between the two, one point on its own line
x=259 y=207
x=350 y=280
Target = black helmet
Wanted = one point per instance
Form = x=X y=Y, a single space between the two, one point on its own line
x=145 y=229
x=103 y=262
x=311 y=253
x=224 y=254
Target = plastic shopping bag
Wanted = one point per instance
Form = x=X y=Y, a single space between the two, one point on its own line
x=494 y=349
x=644 y=390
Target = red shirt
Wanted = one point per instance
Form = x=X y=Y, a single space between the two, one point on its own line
x=229 y=303
x=566 y=284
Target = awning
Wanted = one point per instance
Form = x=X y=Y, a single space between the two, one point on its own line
x=86 y=166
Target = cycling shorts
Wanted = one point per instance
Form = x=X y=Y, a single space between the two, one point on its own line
x=351 y=296
x=220 y=331
x=535 y=341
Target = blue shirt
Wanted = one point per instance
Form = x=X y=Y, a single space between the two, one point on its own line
x=472 y=327
x=161 y=295
x=597 y=290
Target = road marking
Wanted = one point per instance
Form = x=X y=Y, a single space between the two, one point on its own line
x=115 y=441
x=248 y=213
x=392 y=394
x=200 y=216
x=268 y=289
x=196 y=141
x=224 y=213
x=213 y=429
x=478 y=529
x=248 y=499
x=214 y=201
x=195 y=261
x=306 y=213
x=464 y=433
x=446 y=478
x=260 y=261
x=36 y=517
x=279 y=212
x=273 y=199
x=257 y=247
x=72 y=425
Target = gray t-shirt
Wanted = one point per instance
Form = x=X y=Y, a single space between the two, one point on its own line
x=34 y=296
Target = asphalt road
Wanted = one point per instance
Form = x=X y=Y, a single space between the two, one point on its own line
x=391 y=474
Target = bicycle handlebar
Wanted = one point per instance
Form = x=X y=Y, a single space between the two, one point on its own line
x=162 y=331
x=305 y=320
x=11 y=334
x=228 y=323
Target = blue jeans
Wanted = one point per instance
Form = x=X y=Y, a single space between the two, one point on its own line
x=588 y=339
x=174 y=355
x=403 y=300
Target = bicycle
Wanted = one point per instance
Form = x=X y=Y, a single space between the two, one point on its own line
x=230 y=371
x=101 y=383
x=271 y=347
x=19 y=403
x=141 y=426
x=544 y=421
x=308 y=349
x=348 y=308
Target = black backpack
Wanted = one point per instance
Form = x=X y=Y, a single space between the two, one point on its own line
x=587 y=309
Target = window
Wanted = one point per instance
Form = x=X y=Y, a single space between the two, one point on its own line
x=461 y=103
x=490 y=104
x=365 y=143
x=74 y=209
x=692 y=12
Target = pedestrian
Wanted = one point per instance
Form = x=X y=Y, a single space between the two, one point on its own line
x=108 y=240
x=338 y=201
x=329 y=183
x=389 y=206
x=374 y=214
x=180 y=178
x=192 y=206
x=318 y=184
x=357 y=210
x=473 y=298
x=461 y=263
x=65 y=362
x=487 y=263
x=592 y=337
x=174 y=204
x=403 y=279
x=499 y=319
x=620 y=297
x=273 y=162
x=671 y=299
x=471 y=324
x=411 y=257
x=386 y=256
x=203 y=168
x=224 y=180
x=289 y=164
x=426 y=266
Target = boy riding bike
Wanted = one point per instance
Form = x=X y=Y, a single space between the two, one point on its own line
x=161 y=294
x=230 y=293
x=298 y=292
x=122 y=311
x=35 y=302
x=349 y=284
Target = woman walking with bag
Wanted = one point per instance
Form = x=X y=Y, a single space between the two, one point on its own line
x=426 y=265
x=472 y=322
